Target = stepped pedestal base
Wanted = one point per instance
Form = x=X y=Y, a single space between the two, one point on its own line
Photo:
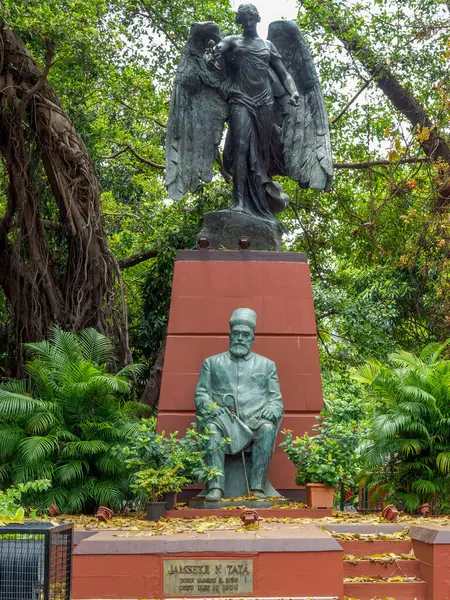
x=274 y=562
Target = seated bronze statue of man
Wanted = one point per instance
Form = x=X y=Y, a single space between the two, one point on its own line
x=238 y=395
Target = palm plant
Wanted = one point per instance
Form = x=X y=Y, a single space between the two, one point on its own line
x=407 y=450
x=62 y=422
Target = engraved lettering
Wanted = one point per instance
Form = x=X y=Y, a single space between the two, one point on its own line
x=208 y=577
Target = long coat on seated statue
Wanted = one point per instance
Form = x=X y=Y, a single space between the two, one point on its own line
x=246 y=386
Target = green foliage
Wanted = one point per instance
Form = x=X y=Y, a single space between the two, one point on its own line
x=156 y=461
x=377 y=244
x=62 y=422
x=407 y=448
x=156 y=482
x=331 y=455
x=327 y=457
x=11 y=510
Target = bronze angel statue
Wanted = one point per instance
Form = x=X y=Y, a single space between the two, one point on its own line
x=269 y=94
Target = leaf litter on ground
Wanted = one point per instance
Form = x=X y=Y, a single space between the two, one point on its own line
x=204 y=525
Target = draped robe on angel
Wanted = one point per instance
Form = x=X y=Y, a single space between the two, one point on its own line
x=266 y=135
x=247 y=147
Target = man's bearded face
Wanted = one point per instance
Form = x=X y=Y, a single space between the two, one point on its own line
x=241 y=340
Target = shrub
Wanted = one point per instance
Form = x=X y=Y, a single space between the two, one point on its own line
x=407 y=450
x=62 y=422
x=11 y=509
x=154 y=483
x=156 y=461
x=328 y=457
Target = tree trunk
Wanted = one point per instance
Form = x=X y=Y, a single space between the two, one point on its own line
x=68 y=276
x=152 y=389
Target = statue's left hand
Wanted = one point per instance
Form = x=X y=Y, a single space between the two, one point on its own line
x=294 y=99
x=268 y=414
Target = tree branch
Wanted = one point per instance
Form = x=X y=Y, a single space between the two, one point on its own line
x=434 y=147
x=156 y=20
x=142 y=159
x=146 y=161
x=135 y=259
x=347 y=106
x=378 y=163
x=49 y=52
x=115 y=155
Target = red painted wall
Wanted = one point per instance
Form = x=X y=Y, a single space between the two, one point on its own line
x=274 y=574
x=204 y=294
x=434 y=568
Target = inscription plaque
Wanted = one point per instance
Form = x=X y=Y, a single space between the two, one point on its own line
x=184 y=578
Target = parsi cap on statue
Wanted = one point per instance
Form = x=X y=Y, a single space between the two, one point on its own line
x=243 y=316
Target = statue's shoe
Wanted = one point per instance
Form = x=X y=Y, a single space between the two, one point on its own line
x=258 y=494
x=214 y=495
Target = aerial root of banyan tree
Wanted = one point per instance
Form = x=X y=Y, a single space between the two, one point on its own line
x=55 y=262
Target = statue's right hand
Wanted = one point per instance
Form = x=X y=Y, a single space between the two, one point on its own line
x=220 y=410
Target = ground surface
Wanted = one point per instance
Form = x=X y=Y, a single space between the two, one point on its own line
x=175 y=525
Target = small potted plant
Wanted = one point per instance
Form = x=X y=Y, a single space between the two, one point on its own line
x=154 y=483
x=322 y=461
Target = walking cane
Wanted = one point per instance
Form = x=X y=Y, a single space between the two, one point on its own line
x=242 y=451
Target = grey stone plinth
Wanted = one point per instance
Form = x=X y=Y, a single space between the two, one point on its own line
x=224 y=228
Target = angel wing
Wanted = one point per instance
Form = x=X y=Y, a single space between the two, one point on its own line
x=196 y=117
x=304 y=129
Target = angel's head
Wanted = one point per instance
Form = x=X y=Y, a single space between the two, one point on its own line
x=248 y=16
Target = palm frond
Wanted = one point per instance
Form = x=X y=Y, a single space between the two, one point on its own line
x=112 y=382
x=408 y=360
x=57 y=494
x=426 y=486
x=108 y=464
x=443 y=462
x=78 y=496
x=9 y=439
x=133 y=369
x=71 y=471
x=17 y=386
x=432 y=352
x=42 y=350
x=15 y=405
x=411 y=447
x=95 y=347
x=410 y=501
x=21 y=472
x=135 y=408
x=37 y=448
x=65 y=343
x=40 y=423
x=108 y=493
x=5 y=471
x=367 y=372
x=83 y=448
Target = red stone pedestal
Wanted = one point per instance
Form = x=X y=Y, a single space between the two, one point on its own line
x=292 y=563
x=207 y=286
x=431 y=545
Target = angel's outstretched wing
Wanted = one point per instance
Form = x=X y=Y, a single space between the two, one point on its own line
x=305 y=131
x=196 y=117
